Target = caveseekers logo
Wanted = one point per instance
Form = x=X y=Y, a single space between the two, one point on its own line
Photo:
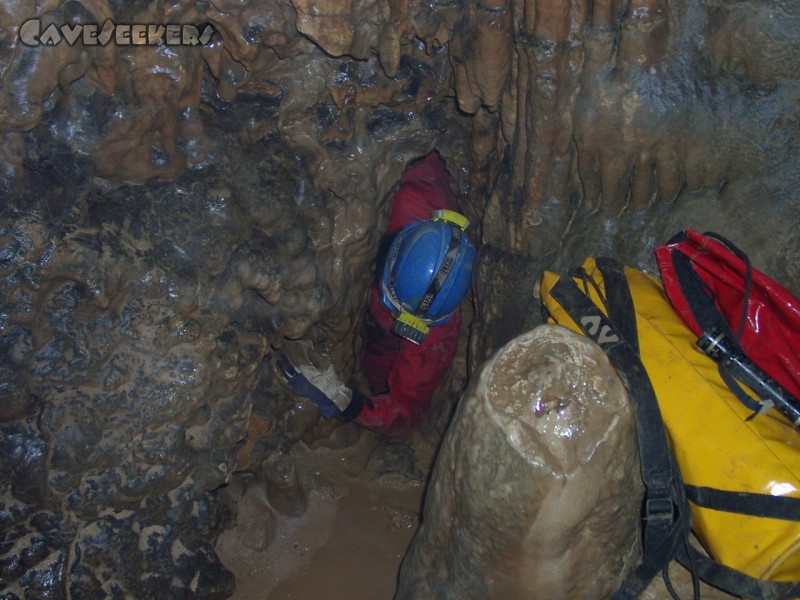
x=32 y=34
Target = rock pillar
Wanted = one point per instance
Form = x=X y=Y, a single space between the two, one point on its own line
x=536 y=490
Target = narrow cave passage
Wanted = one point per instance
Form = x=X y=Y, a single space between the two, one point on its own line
x=176 y=211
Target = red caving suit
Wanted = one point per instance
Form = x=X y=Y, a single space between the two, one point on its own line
x=404 y=375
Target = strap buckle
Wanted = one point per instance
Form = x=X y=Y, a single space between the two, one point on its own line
x=659 y=509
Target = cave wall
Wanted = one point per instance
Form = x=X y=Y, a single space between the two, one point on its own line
x=619 y=124
x=172 y=213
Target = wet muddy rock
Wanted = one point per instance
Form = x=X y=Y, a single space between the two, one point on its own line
x=536 y=490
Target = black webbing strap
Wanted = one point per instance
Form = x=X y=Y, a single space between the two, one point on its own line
x=699 y=298
x=755 y=406
x=786 y=508
x=438 y=280
x=618 y=300
x=666 y=522
x=748 y=278
x=702 y=304
x=733 y=581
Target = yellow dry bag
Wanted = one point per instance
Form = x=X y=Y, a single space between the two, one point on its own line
x=725 y=460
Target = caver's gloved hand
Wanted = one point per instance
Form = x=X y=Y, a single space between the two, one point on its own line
x=323 y=388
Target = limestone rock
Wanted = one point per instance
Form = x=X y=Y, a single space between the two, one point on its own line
x=536 y=490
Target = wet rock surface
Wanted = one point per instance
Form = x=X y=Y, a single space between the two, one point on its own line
x=539 y=465
x=171 y=213
x=623 y=125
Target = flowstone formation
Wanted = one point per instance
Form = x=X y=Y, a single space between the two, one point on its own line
x=171 y=213
x=614 y=125
x=535 y=491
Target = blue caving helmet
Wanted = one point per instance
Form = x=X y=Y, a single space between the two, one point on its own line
x=427 y=273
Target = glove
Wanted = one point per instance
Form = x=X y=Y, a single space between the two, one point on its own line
x=323 y=388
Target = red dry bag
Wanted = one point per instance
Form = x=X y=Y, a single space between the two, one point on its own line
x=711 y=284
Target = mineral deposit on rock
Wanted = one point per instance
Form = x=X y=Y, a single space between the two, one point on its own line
x=536 y=490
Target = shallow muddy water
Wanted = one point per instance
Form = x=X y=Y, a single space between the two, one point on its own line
x=348 y=544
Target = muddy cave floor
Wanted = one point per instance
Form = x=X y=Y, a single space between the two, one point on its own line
x=362 y=510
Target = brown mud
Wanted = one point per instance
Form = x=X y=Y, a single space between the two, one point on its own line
x=362 y=512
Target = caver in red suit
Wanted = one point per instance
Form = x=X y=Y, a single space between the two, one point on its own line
x=414 y=318
x=402 y=374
